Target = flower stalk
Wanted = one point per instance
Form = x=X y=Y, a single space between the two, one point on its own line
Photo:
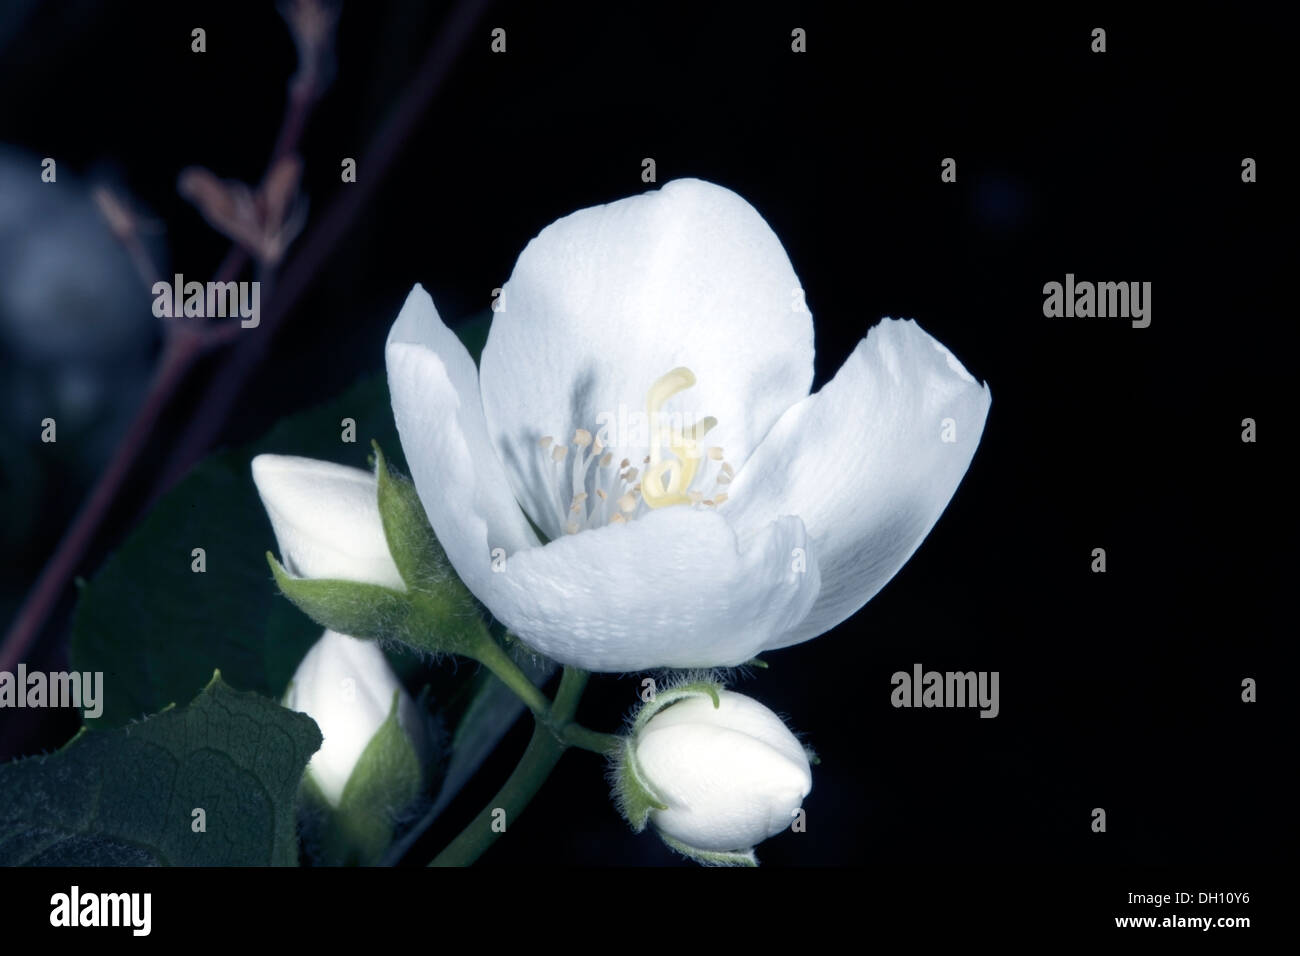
x=544 y=751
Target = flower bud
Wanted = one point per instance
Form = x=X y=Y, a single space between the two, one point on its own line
x=326 y=520
x=360 y=557
x=370 y=767
x=714 y=772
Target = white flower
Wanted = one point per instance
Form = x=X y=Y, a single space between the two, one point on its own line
x=730 y=776
x=643 y=399
x=347 y=687
x=326 y=520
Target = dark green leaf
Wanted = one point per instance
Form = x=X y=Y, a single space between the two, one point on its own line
x=129 y=796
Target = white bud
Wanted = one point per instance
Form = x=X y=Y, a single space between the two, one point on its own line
x=346 y=686
x=326 y=519
x=730 y=776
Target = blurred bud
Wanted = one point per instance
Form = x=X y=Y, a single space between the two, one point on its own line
x=714 y=772
x=264 y=222
x=371 y=765
x=312 y=24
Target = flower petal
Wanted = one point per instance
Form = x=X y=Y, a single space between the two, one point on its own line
x=326 y=519
x=434 y=388
x=605 y=301
x=865 y=464
x=670 y=589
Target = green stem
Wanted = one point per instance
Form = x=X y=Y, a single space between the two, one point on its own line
x=575 y=735
x=553 y=733
x=558 y=716
x=572 y=683
x=568 y=730
x=494 y=657
x=543 y=753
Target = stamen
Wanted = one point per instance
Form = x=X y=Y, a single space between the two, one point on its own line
x=669 y=475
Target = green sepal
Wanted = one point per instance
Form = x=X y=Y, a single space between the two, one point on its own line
x=633 y=796
x=434 y=621
x=411 y=541
x=385 y=784
x=348 y=607
x=712 y=857
x=670 y=695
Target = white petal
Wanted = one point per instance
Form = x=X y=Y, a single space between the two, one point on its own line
x=731 y=776
x=326 y=519
x=461 y=484
x=606 y=300
x=864 y=464
x=346 y=686
x=670 y=589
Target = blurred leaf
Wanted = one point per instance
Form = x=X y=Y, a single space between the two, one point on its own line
x=128 y=797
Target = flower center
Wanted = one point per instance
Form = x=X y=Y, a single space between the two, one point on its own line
x=592 y=492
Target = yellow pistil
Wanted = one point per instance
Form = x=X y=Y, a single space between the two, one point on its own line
x=667 y=481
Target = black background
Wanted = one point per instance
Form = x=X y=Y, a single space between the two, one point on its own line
x=1118 y=690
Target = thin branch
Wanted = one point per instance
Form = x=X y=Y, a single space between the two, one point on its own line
x=183 y=344
x=314 y=252
x=178 y=357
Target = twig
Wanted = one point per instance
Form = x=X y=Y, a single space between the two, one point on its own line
x=184 y=342
x=314 y=251
x=178 y=357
